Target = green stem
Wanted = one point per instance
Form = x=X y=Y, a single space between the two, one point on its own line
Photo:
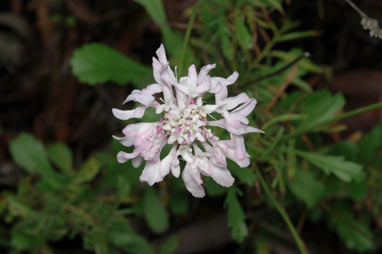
x=187 y=37
x=340 y=117
x=282 y=212
x=355 y=112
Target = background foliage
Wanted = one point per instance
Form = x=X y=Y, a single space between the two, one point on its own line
x=316 y=178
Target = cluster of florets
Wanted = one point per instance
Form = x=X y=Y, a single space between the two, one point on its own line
x=184 y=125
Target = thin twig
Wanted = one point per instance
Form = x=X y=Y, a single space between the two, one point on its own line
x=281 y=90
x=277 y=72
x=355 y=7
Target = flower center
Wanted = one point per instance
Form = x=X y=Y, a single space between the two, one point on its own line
x=184 y=125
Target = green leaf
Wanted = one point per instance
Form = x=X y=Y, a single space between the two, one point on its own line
x=213 y=189
x=337 y=188
x=87 y=172
x=306 y=188
x=119 y=232
x=243 y=35
x=30 y=154
x=370 y=144
x=169 y=245
x=97 y=63
x=320 y=107
x=345 y=170
x=355 y=233
x=236 y=216
x=245 y=175
x=61 y=156
x=179 y=203
x=155 y=212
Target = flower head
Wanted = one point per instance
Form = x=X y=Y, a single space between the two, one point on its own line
x=185 y=126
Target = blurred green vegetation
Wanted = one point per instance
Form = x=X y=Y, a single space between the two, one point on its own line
x=103 y=203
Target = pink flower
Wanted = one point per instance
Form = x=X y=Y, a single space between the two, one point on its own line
x=184 y=126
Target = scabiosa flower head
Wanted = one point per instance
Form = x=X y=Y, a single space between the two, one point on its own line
x=184 y=126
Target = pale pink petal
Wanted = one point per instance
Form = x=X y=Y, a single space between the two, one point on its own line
x=233 y=102
x=151 y=172
x=123 y=157
x=126 y=141
x=203 y=87
x=234 y=150
x=193 y=181
x=192 y=78
x=246 y=108
x=161 y=53
x=222 y=176
x=209 y=108
x=144 y=96
x=132 y=129
x=128 y=114
x=175 y=167
x=165 y=164
x=226 y=81
x=157 y=69
x=243 y=129
x=137 y=161
x=221 y=94
x=205 y=70
x=216 y=155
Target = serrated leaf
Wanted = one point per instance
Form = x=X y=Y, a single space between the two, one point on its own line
x=97 y=63
x=61 y=156
x=355 y=233
x=306 y=188
x=356 y=191
x=120 y=233
x=155 y=212
x=345 y=170
x=235 y=215
x=319 y=108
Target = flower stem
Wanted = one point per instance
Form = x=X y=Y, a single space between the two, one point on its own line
x=284 y=215
x=187 y=37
